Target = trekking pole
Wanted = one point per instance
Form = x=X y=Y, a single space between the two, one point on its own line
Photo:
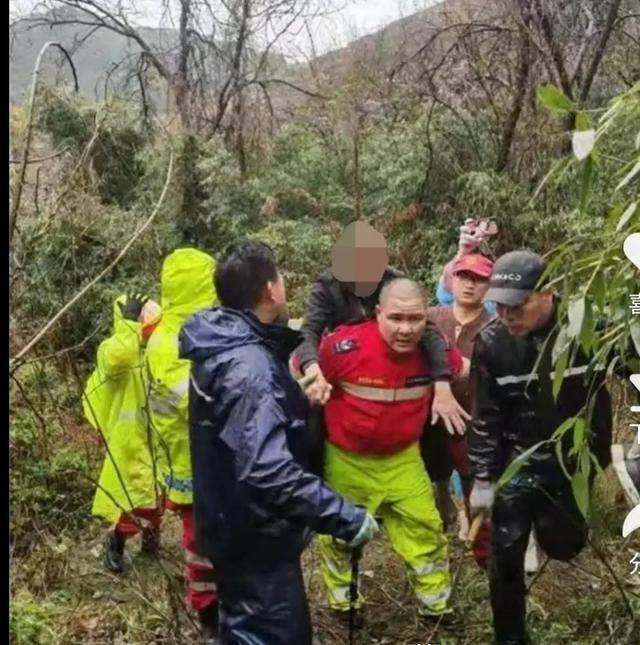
x=355 y=555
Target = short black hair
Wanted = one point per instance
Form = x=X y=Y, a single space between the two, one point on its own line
x=242 y=273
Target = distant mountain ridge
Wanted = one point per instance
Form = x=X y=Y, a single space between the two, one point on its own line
x=105 y=49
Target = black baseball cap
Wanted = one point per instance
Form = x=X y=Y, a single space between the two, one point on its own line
x=515 y=275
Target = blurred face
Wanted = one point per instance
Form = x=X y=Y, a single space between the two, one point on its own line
x=401 y=322
x=469 y=289
x=529 y=316
x=360 y=257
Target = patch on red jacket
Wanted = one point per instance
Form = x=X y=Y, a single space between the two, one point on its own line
x=421 y=379
x=345 y=345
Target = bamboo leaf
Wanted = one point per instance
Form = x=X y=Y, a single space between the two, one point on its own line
x=554 y=99
x=580 y=489
x=514 y=467
x=579 y=433
x=576 y=312
x=583 y=121
x=587 y=333
x=586 y=182
x=630 y=175
x=599 y=290
x=627 y=215
x=582 y=143
x=560 y=458
x=558 y=372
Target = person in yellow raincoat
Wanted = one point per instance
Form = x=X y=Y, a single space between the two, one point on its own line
x=114 y=403
x=186 y=287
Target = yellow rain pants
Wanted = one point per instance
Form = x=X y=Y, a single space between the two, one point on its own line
x=397 y=488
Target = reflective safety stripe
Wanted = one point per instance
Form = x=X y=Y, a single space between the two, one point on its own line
x=166 y=401
x=202 y=586
x=177 y=392
x=429 y=599
x=339 y=594
x=512 y=379
x=520 y=378
x=160 y=407
x=386 y=394
x=334 y=567
x=193 y=558
x=126 y=416
x=431 y=567
x=182 y=485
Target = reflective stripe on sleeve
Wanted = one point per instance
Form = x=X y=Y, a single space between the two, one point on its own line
x=512 y=379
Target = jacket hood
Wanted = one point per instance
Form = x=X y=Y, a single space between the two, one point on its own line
x=186 y=282
x=215 y=331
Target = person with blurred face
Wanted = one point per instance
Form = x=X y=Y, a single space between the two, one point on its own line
x=347 y=293
x=515 y=411
x=381 y=396
x=460 y=323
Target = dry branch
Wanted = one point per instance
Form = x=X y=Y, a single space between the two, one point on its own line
x=13 y=217
x=13 y=363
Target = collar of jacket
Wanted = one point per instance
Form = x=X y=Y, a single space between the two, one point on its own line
x=280 y=339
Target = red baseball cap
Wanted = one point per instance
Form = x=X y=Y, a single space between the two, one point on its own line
x=474 y=263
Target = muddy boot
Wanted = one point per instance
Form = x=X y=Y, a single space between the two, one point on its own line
x=150 y=541
x=114 y=551
x=209 y=622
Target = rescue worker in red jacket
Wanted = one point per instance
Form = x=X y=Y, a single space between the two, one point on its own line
x=381 y=397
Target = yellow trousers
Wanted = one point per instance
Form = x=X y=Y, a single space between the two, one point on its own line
x=397 y=488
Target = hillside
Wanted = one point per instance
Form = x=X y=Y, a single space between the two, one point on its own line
x=93 y=59
x=96 y=57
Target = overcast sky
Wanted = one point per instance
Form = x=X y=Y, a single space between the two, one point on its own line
x=355 y=18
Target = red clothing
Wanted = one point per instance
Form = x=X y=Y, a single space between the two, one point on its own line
x=199 y=573
x=130 y=524
x=357 y=359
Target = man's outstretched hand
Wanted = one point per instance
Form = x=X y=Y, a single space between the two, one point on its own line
x=446 y=408
x=318 y=390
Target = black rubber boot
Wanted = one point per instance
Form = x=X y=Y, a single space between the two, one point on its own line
x=150 y=541
x=114 y=551
x=209 y=623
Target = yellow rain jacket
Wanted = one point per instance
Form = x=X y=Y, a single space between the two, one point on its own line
x=187 y=287
x=113 y=402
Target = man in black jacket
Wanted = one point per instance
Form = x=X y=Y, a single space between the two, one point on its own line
x=347 y=293
x=256 y=507
x=514 y=409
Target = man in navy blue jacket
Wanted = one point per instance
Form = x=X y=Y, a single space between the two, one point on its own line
x=256 y=507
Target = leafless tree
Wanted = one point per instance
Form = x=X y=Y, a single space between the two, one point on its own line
x=219 y=49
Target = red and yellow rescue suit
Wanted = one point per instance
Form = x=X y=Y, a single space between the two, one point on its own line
x=375 y=417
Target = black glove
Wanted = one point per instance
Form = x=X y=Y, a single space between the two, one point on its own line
x=132 y=306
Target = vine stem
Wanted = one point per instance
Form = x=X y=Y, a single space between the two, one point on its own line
x=13 y=217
